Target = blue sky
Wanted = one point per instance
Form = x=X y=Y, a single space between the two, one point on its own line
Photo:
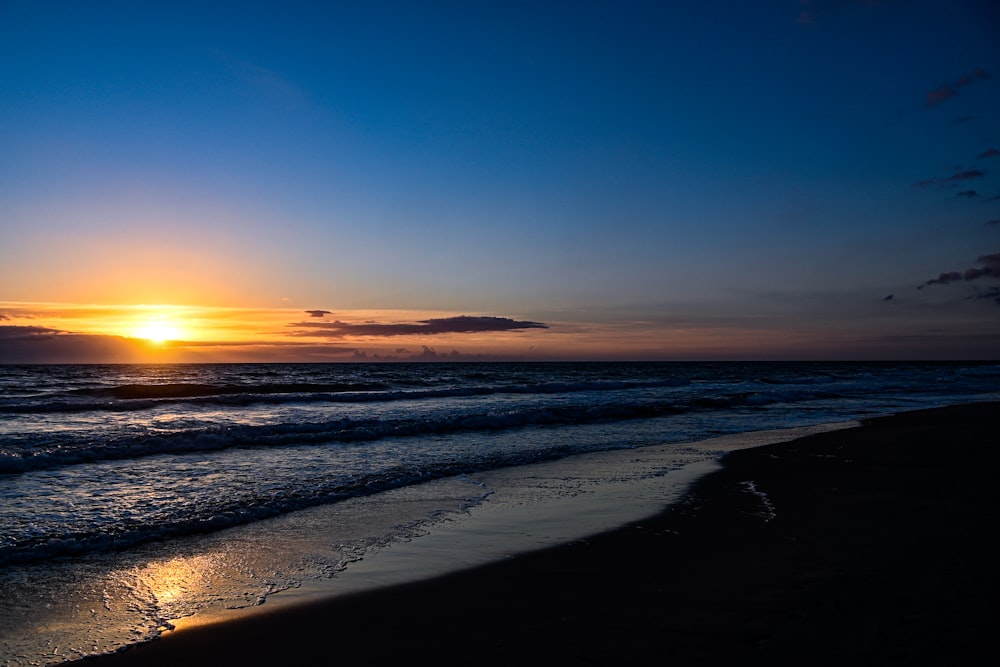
x=646 y=179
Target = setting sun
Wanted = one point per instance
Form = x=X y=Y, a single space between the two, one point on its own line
x=157 y=332
x=158 y=329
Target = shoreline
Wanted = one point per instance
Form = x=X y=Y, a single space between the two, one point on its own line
x=216 y=579
x=517 y=521
x=865 y=544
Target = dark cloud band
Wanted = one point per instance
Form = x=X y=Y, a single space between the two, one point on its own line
x=445 y=325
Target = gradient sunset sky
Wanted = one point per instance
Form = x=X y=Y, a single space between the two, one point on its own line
x=306 y=181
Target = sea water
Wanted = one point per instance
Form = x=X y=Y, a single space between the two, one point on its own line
x=132 y=496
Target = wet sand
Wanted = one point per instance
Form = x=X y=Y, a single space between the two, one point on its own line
x=871 y=545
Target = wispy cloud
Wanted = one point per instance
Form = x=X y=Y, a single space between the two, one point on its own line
x=966 y=175
x=951 y=181
x=968 y=194
x=265 y=83
x=988 y=153
x=318 y=313
x=947 y=91
x=814 y=10
x=444 y=325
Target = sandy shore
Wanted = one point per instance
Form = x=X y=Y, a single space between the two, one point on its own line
x=871 y=545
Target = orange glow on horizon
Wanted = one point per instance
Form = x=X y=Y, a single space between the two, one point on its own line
x=161 y=333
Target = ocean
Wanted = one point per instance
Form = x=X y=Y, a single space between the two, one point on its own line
x=132 y=496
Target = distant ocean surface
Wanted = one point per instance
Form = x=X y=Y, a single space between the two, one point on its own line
x=112 y=474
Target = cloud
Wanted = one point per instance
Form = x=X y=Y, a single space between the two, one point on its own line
x=22 y=333
x=819 y=8
x=967 y=175
x=989 y=152
x=266 y=84
x=969 y=194
x=430 y=353
x=992 y=293
x=460 y=324
x=939 y=95
x=318 y=313
x=32 y=344
x=427 y=353
x=990 y=268
x=948 y=90
x=992 y=262
x=944 y=279
x=992 y=223
x=951 y=181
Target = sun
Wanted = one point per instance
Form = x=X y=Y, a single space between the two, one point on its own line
x=158 y=331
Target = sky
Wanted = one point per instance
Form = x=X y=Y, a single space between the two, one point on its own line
x=307 y=181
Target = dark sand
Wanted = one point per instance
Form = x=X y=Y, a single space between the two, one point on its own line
x=881 y=551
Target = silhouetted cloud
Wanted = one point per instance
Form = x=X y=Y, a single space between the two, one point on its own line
x=426 y=354
x=970 y=194
x=992 y=262
x=23 y=333
x=948 y=90
x=990 y=267
x=460 y=324
x=318 y=313
x=943 y=279
x=992 y=223
x=888 y=298
x=989 y=152
x=33 y=344
x=429 y=353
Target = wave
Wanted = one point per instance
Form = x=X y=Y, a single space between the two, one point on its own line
x=135 y=397
x=71 y=449
x=71 y=423
x=237 y=511
x=192 y=390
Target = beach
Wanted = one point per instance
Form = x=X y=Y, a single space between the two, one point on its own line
x=871 y=545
